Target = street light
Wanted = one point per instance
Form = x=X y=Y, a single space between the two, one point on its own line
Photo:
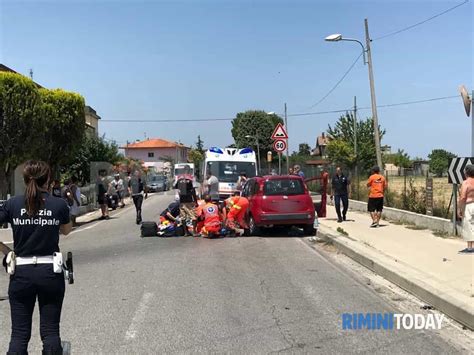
x=258 y=148
x=338 y=37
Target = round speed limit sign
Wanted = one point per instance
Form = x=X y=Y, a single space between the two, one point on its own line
x=279 y=145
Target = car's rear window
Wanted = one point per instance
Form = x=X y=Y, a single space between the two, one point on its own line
x=283 y=187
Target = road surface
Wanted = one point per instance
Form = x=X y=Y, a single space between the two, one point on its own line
x=238 y=295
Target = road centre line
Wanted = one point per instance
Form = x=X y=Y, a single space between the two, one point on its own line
x=139 y=316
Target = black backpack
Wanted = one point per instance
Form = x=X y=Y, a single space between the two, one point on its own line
x=183 y=186
x=149 y=229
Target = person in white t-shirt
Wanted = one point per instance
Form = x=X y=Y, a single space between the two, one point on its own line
x=212 y=186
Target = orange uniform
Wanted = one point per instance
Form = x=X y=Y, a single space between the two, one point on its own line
x=238 y=208
x=377 y=184
x=212 y=220
x=199 y=224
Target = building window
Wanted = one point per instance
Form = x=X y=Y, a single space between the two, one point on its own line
x=151 y=155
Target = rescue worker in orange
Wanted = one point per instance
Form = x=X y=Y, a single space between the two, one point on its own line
x=238 y=206
x=210 y=215
x=200 y=223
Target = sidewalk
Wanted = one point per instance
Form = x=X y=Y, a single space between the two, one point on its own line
x=416 y=260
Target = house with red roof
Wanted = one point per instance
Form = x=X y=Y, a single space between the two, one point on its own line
x=157 y=151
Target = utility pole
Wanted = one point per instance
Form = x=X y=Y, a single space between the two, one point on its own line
x=287 y=145
x=356 y=168
x=372 y=96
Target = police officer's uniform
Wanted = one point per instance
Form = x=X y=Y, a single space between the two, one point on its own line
x=35 y=239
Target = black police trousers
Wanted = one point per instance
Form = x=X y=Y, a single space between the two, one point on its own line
x=28 y=283
x=345 y=205
x=138 y=201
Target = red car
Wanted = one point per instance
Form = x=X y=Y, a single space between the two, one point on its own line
x=282 y=200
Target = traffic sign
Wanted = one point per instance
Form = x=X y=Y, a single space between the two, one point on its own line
x=456 y=169
x=279 y=132
x=279 y=145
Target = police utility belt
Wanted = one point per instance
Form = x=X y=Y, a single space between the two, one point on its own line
x=12 y=261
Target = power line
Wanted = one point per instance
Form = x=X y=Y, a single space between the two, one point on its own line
x=294 y=114
x=420 y=23
x=170 y=120
x=337 y=84
x=317 y=113
x=412 y=102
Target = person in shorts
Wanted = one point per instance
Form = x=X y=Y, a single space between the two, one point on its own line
x=377 y=185
x=102 y=194
x=188 y=201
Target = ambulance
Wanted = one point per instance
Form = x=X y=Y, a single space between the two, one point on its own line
x=227 y=164
x=179 y=168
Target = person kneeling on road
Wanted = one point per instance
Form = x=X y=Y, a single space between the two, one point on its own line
x=188 y=201
x=199 y=223
x=237 y=211
x=209 y=213
x=171 y=213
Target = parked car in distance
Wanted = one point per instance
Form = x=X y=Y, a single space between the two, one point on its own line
x=157 y=183
x=279 y=201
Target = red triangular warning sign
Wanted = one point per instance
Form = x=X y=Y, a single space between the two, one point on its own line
x=279 y=132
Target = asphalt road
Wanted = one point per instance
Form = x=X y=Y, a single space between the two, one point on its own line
x=234 y=295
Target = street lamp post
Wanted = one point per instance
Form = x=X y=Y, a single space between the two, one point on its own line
x=338 y=37
x=258 y=149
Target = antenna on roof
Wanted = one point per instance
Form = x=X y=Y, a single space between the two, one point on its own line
x=31 y=73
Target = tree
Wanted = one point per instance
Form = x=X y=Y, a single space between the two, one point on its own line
x=304 y=149
x=62 y=115
x=439 y=161
x=340 y=152
x=200 y=145
x=258 y=125
x=196 y=157
x=19 y=105
x=91 y=149
x=399 y=159
x=344 y=130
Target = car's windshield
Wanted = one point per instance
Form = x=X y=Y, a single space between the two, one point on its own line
x=283 y=187
x=230 y=171
x=181 y=171
x=157 y=178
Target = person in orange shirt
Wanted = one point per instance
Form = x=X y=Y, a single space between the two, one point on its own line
x=237 y=210
x=209 y=213
x=377 y=185
x=466 y=209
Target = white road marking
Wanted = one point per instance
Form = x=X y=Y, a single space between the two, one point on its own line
x=82 y=229
x=139 y=316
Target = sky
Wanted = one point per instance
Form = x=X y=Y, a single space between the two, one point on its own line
x=201 y=59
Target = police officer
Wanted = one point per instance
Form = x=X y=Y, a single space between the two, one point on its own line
x=137 y=188
x=36 y=218
x=340 y=190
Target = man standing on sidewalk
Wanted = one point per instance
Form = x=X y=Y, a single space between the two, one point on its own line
x=340 y=190
x=377 y=185
x=136 y=188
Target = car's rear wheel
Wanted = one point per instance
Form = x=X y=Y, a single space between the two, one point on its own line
x=253 y=228
x=309 y=230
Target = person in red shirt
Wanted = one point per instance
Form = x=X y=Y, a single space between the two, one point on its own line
x=209 y=213
x=377 y=185
x=237 y=209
